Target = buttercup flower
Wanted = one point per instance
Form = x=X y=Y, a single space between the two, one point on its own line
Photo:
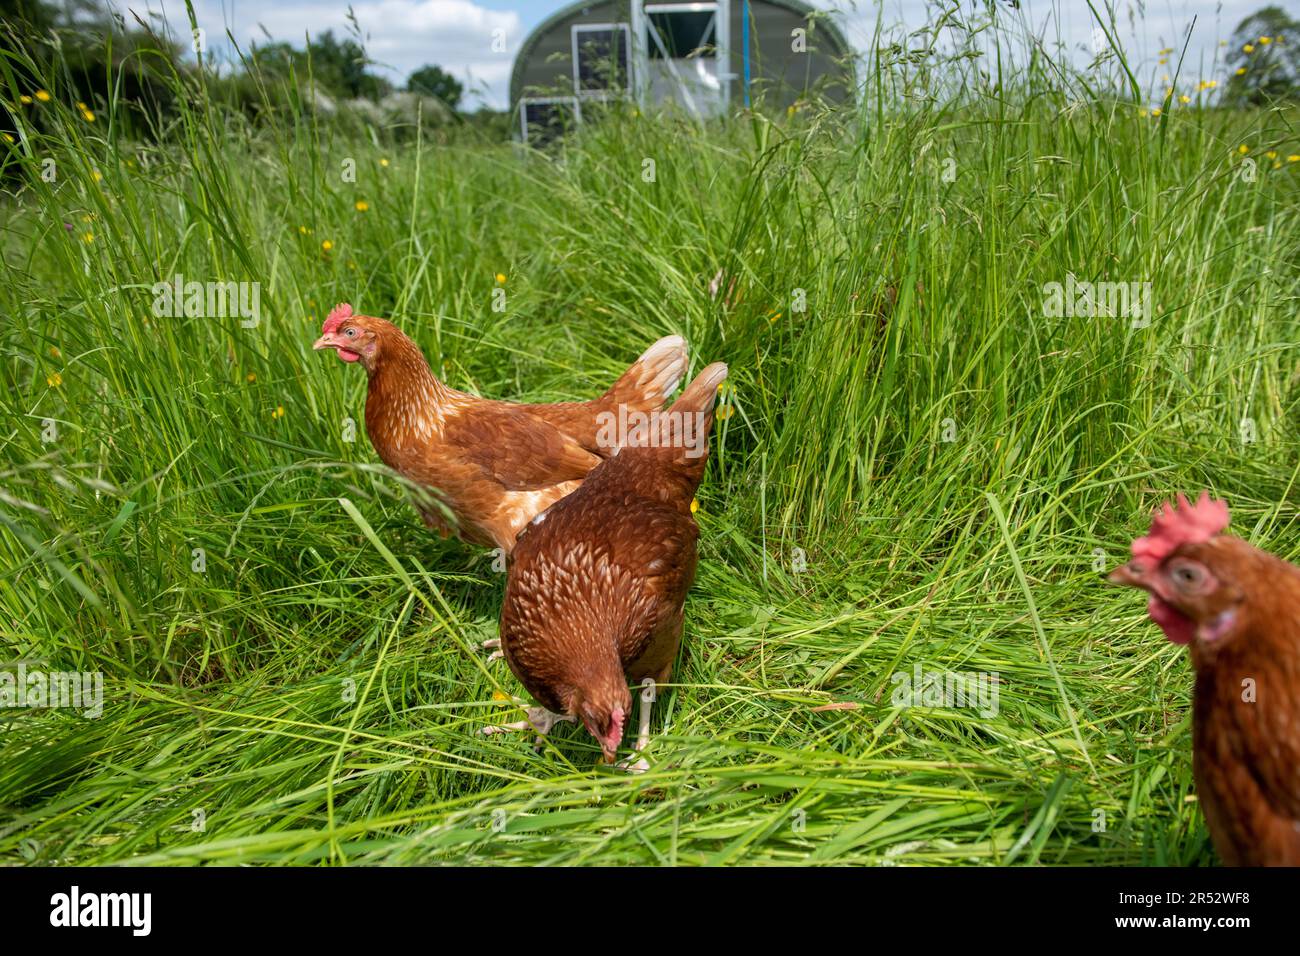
x=24 y=99
x=279 y=412
x=362 y=205
x=327 y=245
x=42 y=96
x=54 y=380
x=501 y=278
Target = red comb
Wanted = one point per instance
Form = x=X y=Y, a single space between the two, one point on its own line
x=1183 y=523
x=338 y=315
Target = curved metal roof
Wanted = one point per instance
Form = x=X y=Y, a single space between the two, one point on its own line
x=564 y=13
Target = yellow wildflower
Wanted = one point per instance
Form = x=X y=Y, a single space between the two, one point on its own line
x=1184 y=98
x=54 y=380
x=1166 y=51
x=1156 y=111
x=1271 y=154
x=42 y=96
x=1243 y=149
x=695 y=505
x=327 y=245
x=1164 y=60
x=1266 y=40
x=725 y=412
x=8 y=138
x=362 y=205
x=54 y=351
x=251 y=377
x=1142 y=113
x=1293 y=158
x=25 y=99
x=96 y=175
x=1249 y=48
x=279 y=412
x=383 y=162
x=1241 y=71
x=501 y=278
x=87 y=237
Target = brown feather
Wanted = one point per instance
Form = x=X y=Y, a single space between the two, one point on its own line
x=493 y=464
x=598 y=582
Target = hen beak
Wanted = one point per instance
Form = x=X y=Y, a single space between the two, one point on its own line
x=324 y=342
x=1128 y=575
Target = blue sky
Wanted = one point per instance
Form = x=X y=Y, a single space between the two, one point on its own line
x=458 y=35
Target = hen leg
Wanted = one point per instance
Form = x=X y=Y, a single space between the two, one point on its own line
x=539 y=719
x=494 y=645
x=643 y=729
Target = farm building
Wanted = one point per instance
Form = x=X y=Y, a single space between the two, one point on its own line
x=701 y=57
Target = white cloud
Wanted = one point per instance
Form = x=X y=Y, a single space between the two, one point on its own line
x=400 y=35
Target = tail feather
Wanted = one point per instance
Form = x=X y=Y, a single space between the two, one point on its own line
x=701 y=394
x=680 y=436
x=649 y=380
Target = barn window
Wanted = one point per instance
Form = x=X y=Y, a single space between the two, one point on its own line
x=600 y=57
x=545 y=118
x=680 y=31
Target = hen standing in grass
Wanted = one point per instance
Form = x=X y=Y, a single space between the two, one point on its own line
x=598 y=582
x=1239 y=610
x=493 y=464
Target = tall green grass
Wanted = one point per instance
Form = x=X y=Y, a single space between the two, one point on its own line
x=314 y=695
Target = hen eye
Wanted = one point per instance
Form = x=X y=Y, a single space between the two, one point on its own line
x=351 y=333
x=1186 y=574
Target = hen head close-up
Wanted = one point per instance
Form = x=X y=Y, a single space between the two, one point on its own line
x=603 y=714
x=1195 y=575
x=355 y=338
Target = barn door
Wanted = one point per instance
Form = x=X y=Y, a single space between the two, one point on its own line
x=685 y=48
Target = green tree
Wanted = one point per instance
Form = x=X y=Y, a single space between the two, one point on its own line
x=340 y=67
x=435 y=81
x=1265 y=59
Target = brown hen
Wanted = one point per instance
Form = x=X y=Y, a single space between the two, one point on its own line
x=1236 y=607
x=598 y=582
x=494 y=465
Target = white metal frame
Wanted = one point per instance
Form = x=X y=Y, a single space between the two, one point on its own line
x=524 y=102
x=602 y=28
x=641 y=9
